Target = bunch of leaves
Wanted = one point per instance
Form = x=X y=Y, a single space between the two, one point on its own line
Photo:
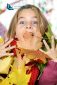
x=41 y=67
x=16 y=77
x=49 y=33
x=47 y=36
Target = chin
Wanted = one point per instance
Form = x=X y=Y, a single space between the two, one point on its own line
x=35 y=47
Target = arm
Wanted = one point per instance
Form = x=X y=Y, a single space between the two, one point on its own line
x=49 y=76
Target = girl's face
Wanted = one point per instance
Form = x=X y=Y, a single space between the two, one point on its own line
x=27 y=30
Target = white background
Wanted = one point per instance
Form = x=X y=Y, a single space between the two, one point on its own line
x=6 y=17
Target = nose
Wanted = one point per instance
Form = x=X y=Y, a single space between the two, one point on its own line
x=29 y=25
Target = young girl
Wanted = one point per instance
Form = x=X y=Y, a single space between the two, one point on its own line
x=27 y=29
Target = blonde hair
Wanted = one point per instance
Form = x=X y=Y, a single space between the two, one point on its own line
x=43 y=23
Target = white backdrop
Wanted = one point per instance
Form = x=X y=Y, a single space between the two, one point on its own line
x=6 y=17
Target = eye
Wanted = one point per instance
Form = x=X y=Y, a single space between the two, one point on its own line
x=22 y=22
x=35 y=22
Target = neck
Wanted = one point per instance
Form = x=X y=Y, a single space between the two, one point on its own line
x=29 y=44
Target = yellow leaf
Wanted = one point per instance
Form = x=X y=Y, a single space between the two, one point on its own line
x=17 y=76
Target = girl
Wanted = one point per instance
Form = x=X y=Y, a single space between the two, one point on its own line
x=27 y=29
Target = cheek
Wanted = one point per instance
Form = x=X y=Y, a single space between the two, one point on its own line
x=39 y=34
x=19 y=32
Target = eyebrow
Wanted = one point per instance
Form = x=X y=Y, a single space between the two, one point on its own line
x=24 y=17
x=20 y=18
x=34 y=17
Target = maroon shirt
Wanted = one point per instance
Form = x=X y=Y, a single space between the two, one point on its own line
x=49 y=76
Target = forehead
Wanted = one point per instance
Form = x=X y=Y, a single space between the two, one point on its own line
x=28 y=12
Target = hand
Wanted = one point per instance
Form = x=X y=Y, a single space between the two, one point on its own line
x=4 y=48
x=51 y=52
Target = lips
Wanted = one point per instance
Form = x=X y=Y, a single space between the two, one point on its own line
x=28 y=35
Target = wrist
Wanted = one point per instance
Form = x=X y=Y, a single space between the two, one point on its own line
x=54 y=60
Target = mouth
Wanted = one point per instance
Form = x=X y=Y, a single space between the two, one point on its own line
x=27 y=35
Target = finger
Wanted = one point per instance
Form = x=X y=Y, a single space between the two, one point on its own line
x=46 y=45
x=9 y=48
x=52 y=42
x=45 y=53
x=9 y=54
x=6 y=54
x=42 y=51
x=7 y=43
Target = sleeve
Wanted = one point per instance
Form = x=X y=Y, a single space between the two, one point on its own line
x=49 y=76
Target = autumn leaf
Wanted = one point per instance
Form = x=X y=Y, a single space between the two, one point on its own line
x=49 y=33
x=17 y=77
